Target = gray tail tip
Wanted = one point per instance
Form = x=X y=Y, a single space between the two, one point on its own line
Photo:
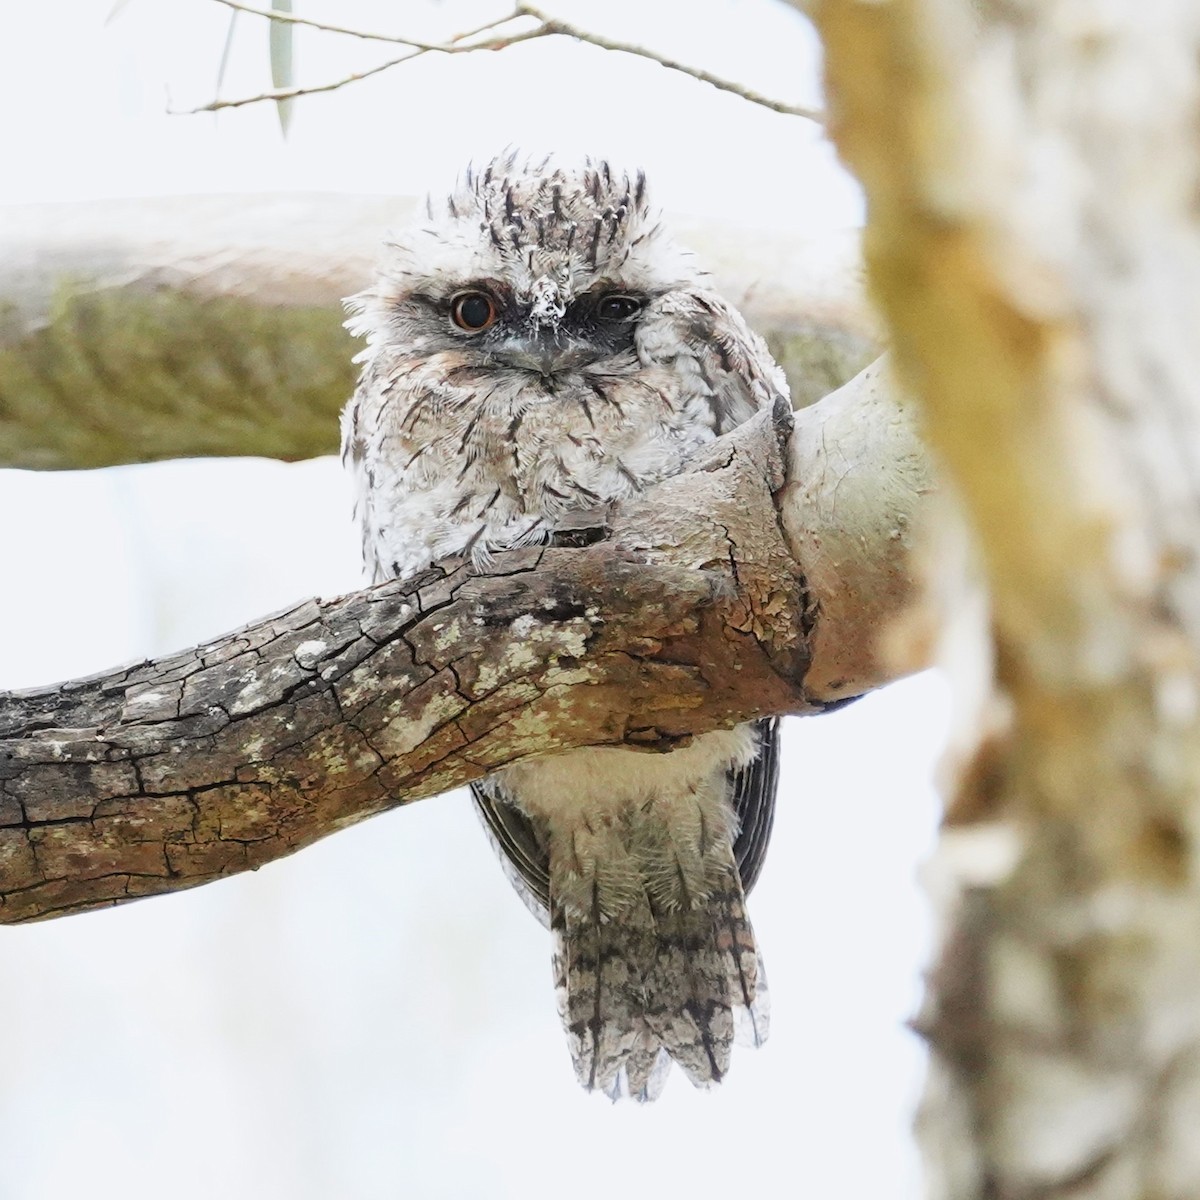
x=644 y=1086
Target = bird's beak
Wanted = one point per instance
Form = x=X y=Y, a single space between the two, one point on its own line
x=546 y=352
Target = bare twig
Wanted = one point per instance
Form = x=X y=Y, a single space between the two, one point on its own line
x=551 y=26
x=463 y=43
x=366 y=34
x=459 y=44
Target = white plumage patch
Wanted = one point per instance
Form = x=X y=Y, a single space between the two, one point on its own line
x=607 y=811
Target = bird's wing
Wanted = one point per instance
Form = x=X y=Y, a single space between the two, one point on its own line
x=753 y=794
x=521 y=851
x=713 y=355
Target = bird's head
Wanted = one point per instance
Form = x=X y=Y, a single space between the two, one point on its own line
x=528 y=266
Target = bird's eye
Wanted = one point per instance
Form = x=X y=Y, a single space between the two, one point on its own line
x=618 y=308
x=473 y=311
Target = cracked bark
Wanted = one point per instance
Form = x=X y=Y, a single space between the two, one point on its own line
x=687 y=614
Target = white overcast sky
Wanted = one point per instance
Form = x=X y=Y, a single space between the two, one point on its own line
x=374 y=1017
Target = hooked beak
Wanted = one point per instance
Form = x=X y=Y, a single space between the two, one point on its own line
x=546 y=352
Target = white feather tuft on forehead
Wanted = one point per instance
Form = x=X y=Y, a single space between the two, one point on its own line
x=549 y=230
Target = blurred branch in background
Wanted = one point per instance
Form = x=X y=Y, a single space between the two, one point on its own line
x=133 y=331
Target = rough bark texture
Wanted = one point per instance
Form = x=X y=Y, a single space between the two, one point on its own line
x=1032 y=173
x=167 y=774
x=690 y=612
x=139 y=330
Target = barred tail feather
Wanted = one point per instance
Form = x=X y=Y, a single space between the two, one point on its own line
x=638 y=862
x=648 y=988
x=705 y=974
x=598 y=969
x=752 y=1022
x=645 y=1071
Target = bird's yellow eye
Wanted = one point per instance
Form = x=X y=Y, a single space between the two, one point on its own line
x=473 y=311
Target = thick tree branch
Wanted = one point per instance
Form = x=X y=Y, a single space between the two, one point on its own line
x=856 y=512
x=690 y=613
x=139 y=330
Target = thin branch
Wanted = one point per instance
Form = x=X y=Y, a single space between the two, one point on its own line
x=462 y=44
x=291 y=93
x=366 y=34
x=454 y=46
x=551 y=26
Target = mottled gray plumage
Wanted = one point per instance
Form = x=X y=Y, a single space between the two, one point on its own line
x=539 y=346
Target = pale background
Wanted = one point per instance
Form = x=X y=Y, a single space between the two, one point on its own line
x=374 y=1017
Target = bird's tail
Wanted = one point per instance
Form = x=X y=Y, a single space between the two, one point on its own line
x=639 y=864
x=672 y=977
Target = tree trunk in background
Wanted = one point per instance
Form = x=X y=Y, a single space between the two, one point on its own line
x=1032 y=173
